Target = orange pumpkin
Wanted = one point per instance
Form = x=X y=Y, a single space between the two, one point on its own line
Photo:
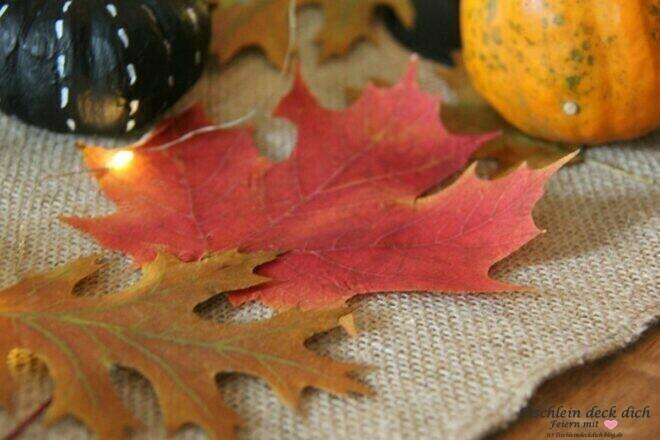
x=583 y=71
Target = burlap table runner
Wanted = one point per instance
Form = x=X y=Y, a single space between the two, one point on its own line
x=448 y=366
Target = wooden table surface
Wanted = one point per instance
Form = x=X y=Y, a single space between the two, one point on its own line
x=630 y=377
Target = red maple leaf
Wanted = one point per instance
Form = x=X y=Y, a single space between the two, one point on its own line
x=345 y=210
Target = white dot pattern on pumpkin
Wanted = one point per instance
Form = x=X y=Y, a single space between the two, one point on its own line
x=60 y=62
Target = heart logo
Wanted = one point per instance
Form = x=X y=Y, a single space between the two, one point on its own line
x=610 y=424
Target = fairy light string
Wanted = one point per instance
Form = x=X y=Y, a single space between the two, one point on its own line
x=122 y=159
x=259 y=108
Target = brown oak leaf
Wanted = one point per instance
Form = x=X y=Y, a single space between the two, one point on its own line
x=265 y=23
x=151 y=328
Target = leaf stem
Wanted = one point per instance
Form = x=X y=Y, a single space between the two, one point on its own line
x=29 y=420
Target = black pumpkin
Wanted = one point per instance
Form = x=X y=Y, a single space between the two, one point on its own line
x=99 y=66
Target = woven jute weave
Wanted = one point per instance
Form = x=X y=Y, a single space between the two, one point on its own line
x=447 y=366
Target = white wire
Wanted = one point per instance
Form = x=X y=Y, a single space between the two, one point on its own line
x=258 y=108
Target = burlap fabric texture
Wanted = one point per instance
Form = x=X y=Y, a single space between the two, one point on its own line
x=447 y=366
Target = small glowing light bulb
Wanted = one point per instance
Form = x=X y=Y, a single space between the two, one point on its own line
x=120 y=160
